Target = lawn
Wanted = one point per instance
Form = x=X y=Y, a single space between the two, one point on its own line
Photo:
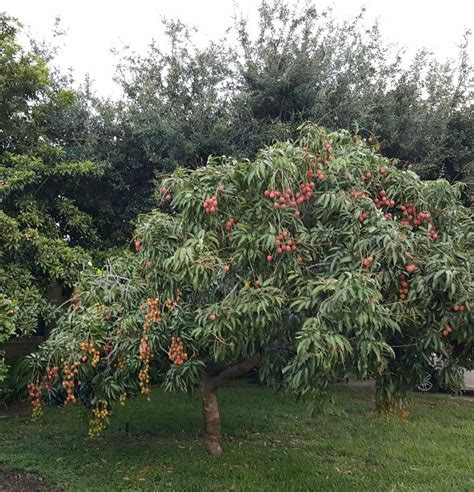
x=271 y=443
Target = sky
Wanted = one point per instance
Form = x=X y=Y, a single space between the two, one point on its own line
x=93 y=27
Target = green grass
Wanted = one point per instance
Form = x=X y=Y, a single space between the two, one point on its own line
x=271 y=444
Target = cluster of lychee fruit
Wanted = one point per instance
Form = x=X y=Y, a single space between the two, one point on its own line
x=145 y=354
x=284 y=244
x=384 y=201
x=306 y=190
x=92 y=351
x=153 y=314
x=169 y=303
x=458 y=308
x=98 y=421
x=164 y=191
x=287 y=198
x=176 y=353
x=367 y=262
x=356 y=194
x=281 y=199
x=210 y=205
x=417 y=219
x=432 y=231
x=70 y=372
x=365 y=177
x=363 y=216
x=404 y=287
x=35 y=393
x=447 y=330
x=229 y=224
x=409 y=211
x=319 y=174
x=324 y=157
x=52 y=373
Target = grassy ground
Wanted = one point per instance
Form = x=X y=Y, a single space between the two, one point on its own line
x=271 y=444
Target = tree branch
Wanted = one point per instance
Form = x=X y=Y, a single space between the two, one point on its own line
x=212 y=369
x=234 y=372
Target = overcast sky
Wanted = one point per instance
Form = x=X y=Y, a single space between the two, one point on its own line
x=95 y=26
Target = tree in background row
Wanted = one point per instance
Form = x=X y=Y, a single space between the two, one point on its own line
x=43 y=234
x=183 y=103
x=318 y=260
x=305 y=65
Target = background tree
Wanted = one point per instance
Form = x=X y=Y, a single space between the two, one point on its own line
x=305 y=65
x=320 y=259
x=176 y=110
x=43 y=233
x=183 y=103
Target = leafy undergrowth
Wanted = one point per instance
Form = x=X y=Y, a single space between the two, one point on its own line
x=271 y=443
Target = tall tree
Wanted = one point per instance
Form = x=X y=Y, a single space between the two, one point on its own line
x=42 y=231
x=303 y=64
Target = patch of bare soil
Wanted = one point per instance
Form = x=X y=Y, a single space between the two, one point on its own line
x=22 y=481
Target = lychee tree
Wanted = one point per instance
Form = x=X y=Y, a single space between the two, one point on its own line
x=319 y=260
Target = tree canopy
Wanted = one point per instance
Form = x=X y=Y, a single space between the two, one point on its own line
x=321 y=259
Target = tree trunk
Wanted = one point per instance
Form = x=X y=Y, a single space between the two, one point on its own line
x=210 y=404
x=212 y=419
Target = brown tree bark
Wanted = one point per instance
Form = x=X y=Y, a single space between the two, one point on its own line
x=212 y=418
x=210 y=404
